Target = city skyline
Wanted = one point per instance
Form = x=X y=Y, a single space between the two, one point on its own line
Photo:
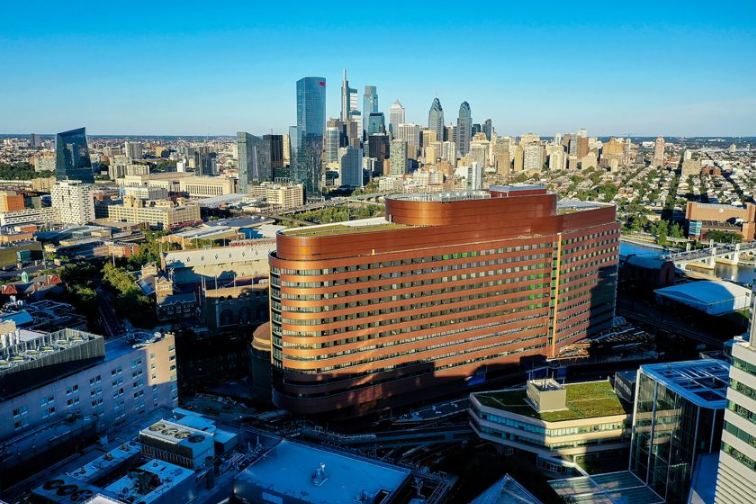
x=615 y=81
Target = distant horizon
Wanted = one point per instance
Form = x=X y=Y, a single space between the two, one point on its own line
x=655 y=67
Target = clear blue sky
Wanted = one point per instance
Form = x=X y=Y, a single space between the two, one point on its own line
x=159 y=67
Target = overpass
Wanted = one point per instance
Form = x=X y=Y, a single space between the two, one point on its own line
x=707 y=258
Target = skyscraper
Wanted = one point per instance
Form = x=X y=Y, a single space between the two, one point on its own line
x=396 y=117
x=475 y=176
x=311 y=122
x=293 y=145
x=488 y=129
x=351 y=166
x=254 y=160
x=276 y=143
x=369 y=106
x=436 y=119
x=72 y=160
x=398 y=157
x=464 y=128
x=345 y=99
x=659 y=152
x=376 y=123
x=205 y=161
x=332 y=144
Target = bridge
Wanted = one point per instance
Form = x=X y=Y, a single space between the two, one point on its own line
x=707 y=258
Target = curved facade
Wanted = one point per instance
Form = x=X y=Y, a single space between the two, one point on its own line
x=448 y=287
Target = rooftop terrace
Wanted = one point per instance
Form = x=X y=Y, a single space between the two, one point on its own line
x=373 y=225
x=584 y=400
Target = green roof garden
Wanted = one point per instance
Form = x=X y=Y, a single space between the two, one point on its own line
x=584 y=400
x=341 y=229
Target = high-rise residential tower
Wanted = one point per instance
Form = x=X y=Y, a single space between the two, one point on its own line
x=464 y=128
x=254 y=160
x=311 y=123
x=436 y=119
x=488 y=129
x=659 y=152
x=72 y=160
x=396 y=117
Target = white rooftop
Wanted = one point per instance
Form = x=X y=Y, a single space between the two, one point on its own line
x=167 y=476
x=290 y=469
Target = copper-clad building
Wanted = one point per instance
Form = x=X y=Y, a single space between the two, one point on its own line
x=371 y=313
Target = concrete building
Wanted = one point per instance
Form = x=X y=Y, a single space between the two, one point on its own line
x=678 y=417
x=57 y=389
x=206 y=187
x=475 y=177
x=74 y=200
x=350 y=173
x=543 y=420
x=443 y=335
x=38 y=216
x=279 y=195
x=177 y=443
x=132 y=150
x=248 y=260
x=533 y=157
x=659 y=159
x=163 y=214
x=398 y=157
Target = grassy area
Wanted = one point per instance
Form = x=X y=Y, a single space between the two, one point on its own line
x=584 y=400
x=341 y=229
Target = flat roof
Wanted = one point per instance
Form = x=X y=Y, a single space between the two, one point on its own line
x=167 y=476
x=621 y=487
x=443 y=197
x=584 y=400
x=702 y=382
x=371 y=225
x=704 y=292
x=289 y=469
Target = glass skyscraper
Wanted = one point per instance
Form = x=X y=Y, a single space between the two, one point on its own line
x=369 y=106
x=72 y=160
x=436 y=119
x=679 y=410
x=311 y=123
x=254 y=160
x=464 y=128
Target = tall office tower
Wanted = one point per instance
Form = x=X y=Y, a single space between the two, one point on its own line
x=450 y=285
x=476 y=128
x=132 y=150
x=678 y=416
x=378 y=147
x=478 y=153
x=72 y=160
x=475 y=176
x=354 y=130
x=311 y=123
x=74 y=200
x=582 y=143
x=502 y=158
x=35 y=140
x=449 y=152
x=659 y=152
x=519 y=158
x=369 y=107
x=464 y=128
x=254 y=160
x=737 y=460
x=205 y=161
x=276 y=146
x=410 y=133
x=396 y=117
x=346 y=105
x=428 y=137
x=332 y=144
x=293 y=145
x=351 y=166
x=398 y=157
x=450 y=133
x=286 y=149
x=436 y=119
x=376 y=123
x=533 y=157
x=488 y=129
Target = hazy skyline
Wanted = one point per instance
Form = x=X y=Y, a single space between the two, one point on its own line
x=139 y=68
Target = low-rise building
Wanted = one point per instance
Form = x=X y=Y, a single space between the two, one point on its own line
x=549 y=419
x=162 y=214
x=278 y=195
